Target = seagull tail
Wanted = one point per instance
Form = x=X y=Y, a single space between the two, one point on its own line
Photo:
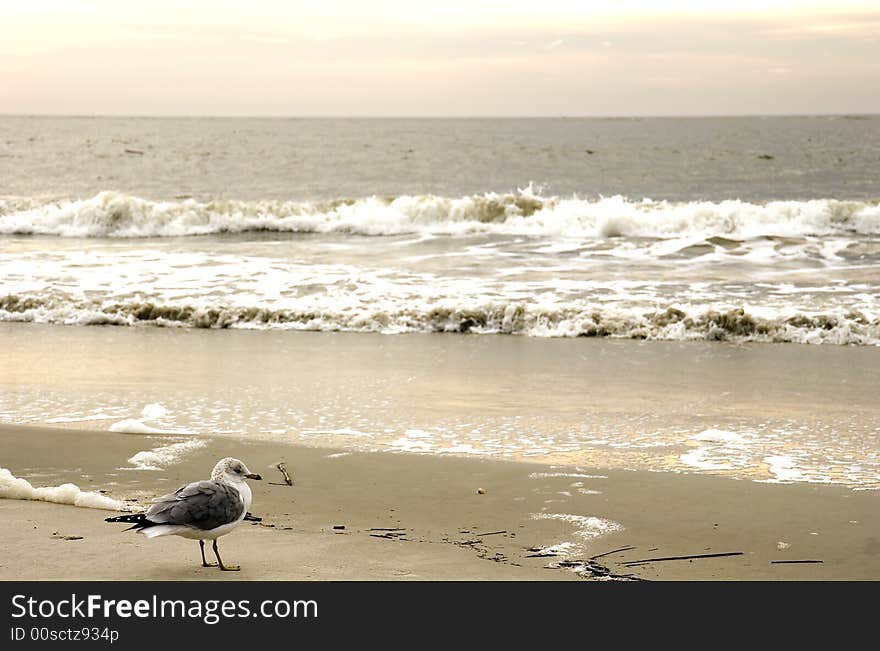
x=137 y=520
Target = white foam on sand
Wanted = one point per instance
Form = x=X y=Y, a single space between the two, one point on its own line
x=342 y=431
x=15 y=488
x=79 y=419
x=151 y=412
x=134 y=426
x=717 y=449
x=699 y=458
x=163 y=456
x=550 y=475
x=586 y=527
x=414 y=440
x=783 y=468
x=464 y=448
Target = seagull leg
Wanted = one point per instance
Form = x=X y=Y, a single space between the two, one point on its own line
x=228 y=568
x=205 y=563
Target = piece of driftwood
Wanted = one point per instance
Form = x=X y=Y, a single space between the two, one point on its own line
x=798 y=561
x=287 y=479
x=613 y=551
x=387 y=529
x=491 y=533
x=681 y=558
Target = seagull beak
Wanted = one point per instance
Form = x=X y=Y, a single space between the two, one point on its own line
x=253 y=475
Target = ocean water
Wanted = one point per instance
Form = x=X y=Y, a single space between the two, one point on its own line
x=716 y=231
x=743 y=229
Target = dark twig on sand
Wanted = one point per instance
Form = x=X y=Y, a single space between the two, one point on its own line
x=387 y=529
x=613 y=551
x=681 y=558
x=491 y=533
x=59 y=536
x=287 y=479
x=804 y=561
x=389 y=535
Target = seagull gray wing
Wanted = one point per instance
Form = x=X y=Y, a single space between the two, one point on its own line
x=202 y=505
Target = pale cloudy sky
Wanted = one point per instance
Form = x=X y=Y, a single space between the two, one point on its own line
x=460 y=58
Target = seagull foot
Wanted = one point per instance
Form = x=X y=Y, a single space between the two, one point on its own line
x=225 y=568
x=206 y=564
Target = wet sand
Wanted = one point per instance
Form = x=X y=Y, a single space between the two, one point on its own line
x=778 y=411
x=420 y=517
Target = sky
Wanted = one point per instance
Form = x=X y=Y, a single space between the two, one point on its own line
x=450 y=58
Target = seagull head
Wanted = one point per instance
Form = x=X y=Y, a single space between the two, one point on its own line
x=232 y=471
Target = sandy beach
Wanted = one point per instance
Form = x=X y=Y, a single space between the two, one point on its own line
x=420 y=517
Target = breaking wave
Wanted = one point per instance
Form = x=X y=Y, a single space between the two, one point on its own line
x=111 y=214
x=734 y=324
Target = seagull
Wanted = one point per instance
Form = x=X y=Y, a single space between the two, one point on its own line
x=201 y=510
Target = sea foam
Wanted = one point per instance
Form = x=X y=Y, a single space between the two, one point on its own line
x=163 y=456
x=134 y=426
x=16 y=488
x=151 y=412
x=586 y=528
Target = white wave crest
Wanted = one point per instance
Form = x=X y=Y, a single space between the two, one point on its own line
x=111 y=214
x=574 y=319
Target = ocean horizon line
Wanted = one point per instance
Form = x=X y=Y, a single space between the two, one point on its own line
x=671 y=116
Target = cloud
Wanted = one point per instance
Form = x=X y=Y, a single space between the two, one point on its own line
x=270 y=40
x=463 y=64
